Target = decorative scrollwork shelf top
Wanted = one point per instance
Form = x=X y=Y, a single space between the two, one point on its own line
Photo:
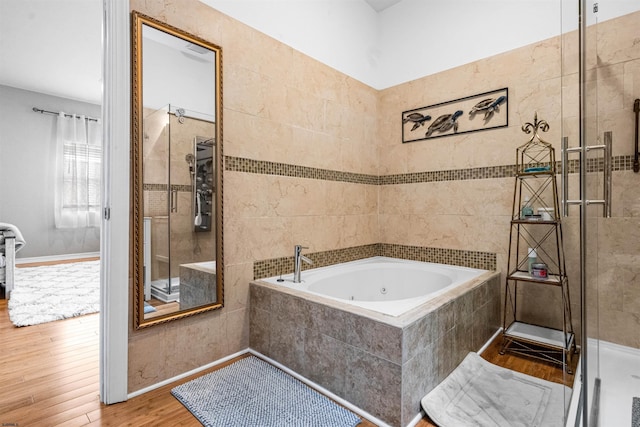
x=533 y=127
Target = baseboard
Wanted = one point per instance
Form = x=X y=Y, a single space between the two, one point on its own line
x=493 y=337
x=310 y=383
x=63 y=257
x=186 y=374
x=322 y=390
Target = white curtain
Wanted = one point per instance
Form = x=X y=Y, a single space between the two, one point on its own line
x=78 y=166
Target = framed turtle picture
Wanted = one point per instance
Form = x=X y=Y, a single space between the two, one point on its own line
x=484 y=111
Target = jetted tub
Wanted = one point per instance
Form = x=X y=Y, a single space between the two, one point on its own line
x=387 y=285
x=381 y=356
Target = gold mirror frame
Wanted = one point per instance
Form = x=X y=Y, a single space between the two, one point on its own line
x=137 y=193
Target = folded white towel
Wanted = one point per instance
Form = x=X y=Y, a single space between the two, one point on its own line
x=20 y=242
x=2 y=261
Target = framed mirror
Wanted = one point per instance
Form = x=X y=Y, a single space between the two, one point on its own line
x=176 y=173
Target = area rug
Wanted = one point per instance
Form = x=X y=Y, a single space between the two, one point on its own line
x=252 y=392
x=54 y=292
x=635 y=412
x=478 y=393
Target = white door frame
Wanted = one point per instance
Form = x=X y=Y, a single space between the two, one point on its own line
x=114 y=239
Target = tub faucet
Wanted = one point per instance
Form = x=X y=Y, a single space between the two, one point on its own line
x=297 y=264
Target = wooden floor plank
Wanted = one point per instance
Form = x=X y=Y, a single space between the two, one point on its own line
x=50 y=377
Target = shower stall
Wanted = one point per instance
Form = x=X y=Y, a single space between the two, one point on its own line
x=601 y=200
x=179 y=152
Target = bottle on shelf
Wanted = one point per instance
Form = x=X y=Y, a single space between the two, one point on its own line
x=527 y=210
x=532 y=259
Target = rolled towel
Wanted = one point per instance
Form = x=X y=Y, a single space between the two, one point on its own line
x=20 y=242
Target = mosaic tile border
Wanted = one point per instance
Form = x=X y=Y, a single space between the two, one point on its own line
x=277 y=266
x=238 y=164
x=284 y=265
x=164 y=187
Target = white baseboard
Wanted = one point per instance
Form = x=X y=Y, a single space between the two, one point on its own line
x=49 y=258
x=322 y=390
x=186 y=374
x=493 y=337
x=310 y=383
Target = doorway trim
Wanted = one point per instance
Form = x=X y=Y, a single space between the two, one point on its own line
x=114 y=240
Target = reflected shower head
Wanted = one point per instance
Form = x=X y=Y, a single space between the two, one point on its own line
x=190 y=158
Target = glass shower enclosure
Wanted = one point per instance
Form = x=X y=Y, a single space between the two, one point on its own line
x=178 y=175
x=601 y=82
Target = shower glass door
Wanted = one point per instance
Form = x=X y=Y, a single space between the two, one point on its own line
x=158 y=201
x=592 y=189
x=610 y=235
x=192 y=237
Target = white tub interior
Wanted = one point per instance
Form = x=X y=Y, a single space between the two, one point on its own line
x=386 y=285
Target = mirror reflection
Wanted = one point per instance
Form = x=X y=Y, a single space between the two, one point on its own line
x=177 y=174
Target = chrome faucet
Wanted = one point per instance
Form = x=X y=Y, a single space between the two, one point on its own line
x=297 y=264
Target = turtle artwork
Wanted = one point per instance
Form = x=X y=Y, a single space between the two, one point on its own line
x=417 y=119
x=489 y=106
x=444 y=123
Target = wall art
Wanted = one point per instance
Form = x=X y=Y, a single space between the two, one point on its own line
x=488 y=110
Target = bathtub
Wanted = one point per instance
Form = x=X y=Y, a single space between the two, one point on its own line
x=205 y=266
x=197 y=284
x=389 y=286
x=336 y=330
x=180 y=285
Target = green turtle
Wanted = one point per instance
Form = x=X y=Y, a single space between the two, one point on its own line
x=417 y=119
x=444 y=123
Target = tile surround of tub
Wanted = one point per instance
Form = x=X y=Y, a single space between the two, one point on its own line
x=383 y=368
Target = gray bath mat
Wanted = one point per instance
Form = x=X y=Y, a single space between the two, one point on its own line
x=635 y=412
x=252 y=392
x=479 y=393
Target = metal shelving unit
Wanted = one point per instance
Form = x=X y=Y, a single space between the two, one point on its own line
x=540 y=231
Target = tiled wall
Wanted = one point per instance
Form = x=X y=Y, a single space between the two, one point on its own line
x=337 y=175
x=280 y=108
x=456 y=192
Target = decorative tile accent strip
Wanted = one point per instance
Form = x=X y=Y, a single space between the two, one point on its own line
x=154 y=187
x=277 y=266
x=450 y=175
x=472 y=259
x=163 y=187
x=238 y=164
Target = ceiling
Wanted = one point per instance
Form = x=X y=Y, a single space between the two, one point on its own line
x=44 y=43
x=380 y=5
x=53 y=47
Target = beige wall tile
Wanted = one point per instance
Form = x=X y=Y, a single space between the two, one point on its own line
x=282 y=106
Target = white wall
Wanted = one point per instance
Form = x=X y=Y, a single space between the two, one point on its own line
x=342 y=34
x=27 y=150
x=413 y=38
x=173 y=77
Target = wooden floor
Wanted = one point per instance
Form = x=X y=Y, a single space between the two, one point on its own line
x=49 y=377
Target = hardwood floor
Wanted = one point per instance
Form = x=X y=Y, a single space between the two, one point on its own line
x=49 y=372
x=49 y=377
